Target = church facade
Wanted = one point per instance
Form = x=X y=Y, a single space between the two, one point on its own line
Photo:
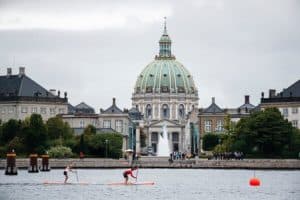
x=164 y=93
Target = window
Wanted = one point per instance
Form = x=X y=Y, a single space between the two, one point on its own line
x=61 y=110
x=43 y=110
x=294 y=110
x=81 y=124
x=3 y=110
x=106 y=124
x=219 y=127
x=207 y=126
x=119 y=126
x=11 y=110
x=285 y=112
x=175 y=147
x=154 y=147
x=52 y=110
x=154 y=137
x=34 y=110
x=165 y=89
x=148 y=111
x=175 y=137
x=165 y=111
x=24 y=109
x=295 y=123
x=181 y=111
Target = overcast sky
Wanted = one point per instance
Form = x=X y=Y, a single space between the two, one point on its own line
x=95 y=50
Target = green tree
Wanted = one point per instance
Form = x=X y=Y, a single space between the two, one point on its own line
x=90 y=130
x=264 y=133
x=10 y=129
x=60 y=132
x=210 y=141
x=60 y=152
x=106 y=145
x=36 y=136
x=55 y=127
x=17 y=144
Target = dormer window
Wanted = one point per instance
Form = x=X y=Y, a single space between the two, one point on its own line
x=165 y=89
x=180 y=89
x=149 y=89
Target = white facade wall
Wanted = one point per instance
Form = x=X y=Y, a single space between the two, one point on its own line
x=22 y=110
x=80 y=122
x=292 y=114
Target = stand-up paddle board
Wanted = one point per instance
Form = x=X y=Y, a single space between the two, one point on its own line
x=137 y=183
x=63 y=183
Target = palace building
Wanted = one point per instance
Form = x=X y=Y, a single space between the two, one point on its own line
x=20 y=96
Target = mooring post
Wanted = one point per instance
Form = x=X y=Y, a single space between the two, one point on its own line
x=33 y=163
x=45 y=163
x=11 y=168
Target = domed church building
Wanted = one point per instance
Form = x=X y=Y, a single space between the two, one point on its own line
x=165 y=93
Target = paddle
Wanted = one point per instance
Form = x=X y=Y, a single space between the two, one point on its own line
x=136 y=175
x=76 y=176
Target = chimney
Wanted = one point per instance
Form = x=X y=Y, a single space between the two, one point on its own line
x=262 y=95
x=213 y=99
x=272 y=93
x=247 y=99
x=9 y=72
x=53 y=91
x=21 y=71
x=114 y=101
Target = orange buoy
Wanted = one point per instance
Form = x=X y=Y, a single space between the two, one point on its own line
x=254 y=182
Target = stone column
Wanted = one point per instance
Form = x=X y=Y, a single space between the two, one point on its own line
x=159 y=108
x=176 y=111
x=153 y=111
x=137 y=139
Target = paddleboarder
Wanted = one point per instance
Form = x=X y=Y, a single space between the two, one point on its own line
x=67 y=169
x=128 y=172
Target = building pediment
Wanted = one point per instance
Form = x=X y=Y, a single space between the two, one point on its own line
x=160 y=123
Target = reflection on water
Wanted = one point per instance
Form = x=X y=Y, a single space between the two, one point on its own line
x=169 y=184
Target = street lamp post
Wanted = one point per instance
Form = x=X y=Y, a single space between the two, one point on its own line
x=106 y=145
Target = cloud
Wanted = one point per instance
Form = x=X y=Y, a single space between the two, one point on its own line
x=78 y=16
x=232 y=48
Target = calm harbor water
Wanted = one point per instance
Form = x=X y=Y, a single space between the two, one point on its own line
x=169 y=184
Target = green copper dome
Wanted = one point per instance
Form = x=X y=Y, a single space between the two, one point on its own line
x=165 y=74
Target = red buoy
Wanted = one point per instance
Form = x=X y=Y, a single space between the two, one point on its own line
x=254 y=182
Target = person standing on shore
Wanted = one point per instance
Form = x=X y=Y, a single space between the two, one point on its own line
x=129 y=172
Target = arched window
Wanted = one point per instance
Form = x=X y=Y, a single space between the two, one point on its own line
x=181 y=111
x=165 y=111
x=148 y=111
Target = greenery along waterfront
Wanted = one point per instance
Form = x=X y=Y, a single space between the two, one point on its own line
x=263 y=134
x=57 y=138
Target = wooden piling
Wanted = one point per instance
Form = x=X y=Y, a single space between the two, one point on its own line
x=11 y=168
x=33 y=163
x=45 y=163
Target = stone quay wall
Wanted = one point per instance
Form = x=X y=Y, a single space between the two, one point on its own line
x=163 y=162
